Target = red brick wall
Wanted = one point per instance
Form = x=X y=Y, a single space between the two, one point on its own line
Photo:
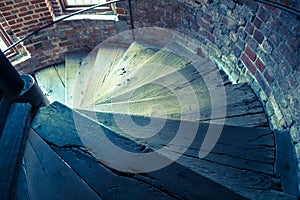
x=10 y=33
x=54 y=7
x=4 y=24
x=50 y=46
x=21 y=17
x=25 y=16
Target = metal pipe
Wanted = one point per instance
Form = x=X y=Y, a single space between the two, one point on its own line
x=56 y=21
x=131 y=19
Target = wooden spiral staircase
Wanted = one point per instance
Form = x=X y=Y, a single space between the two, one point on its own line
x=124 y=82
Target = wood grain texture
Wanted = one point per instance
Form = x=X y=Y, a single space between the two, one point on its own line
x=242 y=160
x=48 y=175
x=51 y=82
x=73 y=63
x=116 y=184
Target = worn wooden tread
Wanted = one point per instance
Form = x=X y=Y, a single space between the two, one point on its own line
x=52 y=82
x=49 y=177
x=242 y=106
x=245 y=155
x=98 y=65
x=73 y=63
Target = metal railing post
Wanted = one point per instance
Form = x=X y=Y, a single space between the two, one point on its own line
x=11 y=83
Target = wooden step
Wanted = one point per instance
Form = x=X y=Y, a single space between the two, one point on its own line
x=49 y=177
x=67 y=142
x=191 y=96
x=250 y=147
x=242 y=160
x=97 y=66
x=156 y=67
x=146 y=68
x=136 y=55
x=73 y=62
x=52 y=82
x=21 y=190
x=179 y=80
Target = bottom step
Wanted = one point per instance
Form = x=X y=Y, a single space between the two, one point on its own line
x=239 y=166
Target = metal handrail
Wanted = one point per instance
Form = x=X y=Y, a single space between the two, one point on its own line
x=11 y=83
x=58 y=20
x=280 y=6
x=277 y=5
x=10 y=80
